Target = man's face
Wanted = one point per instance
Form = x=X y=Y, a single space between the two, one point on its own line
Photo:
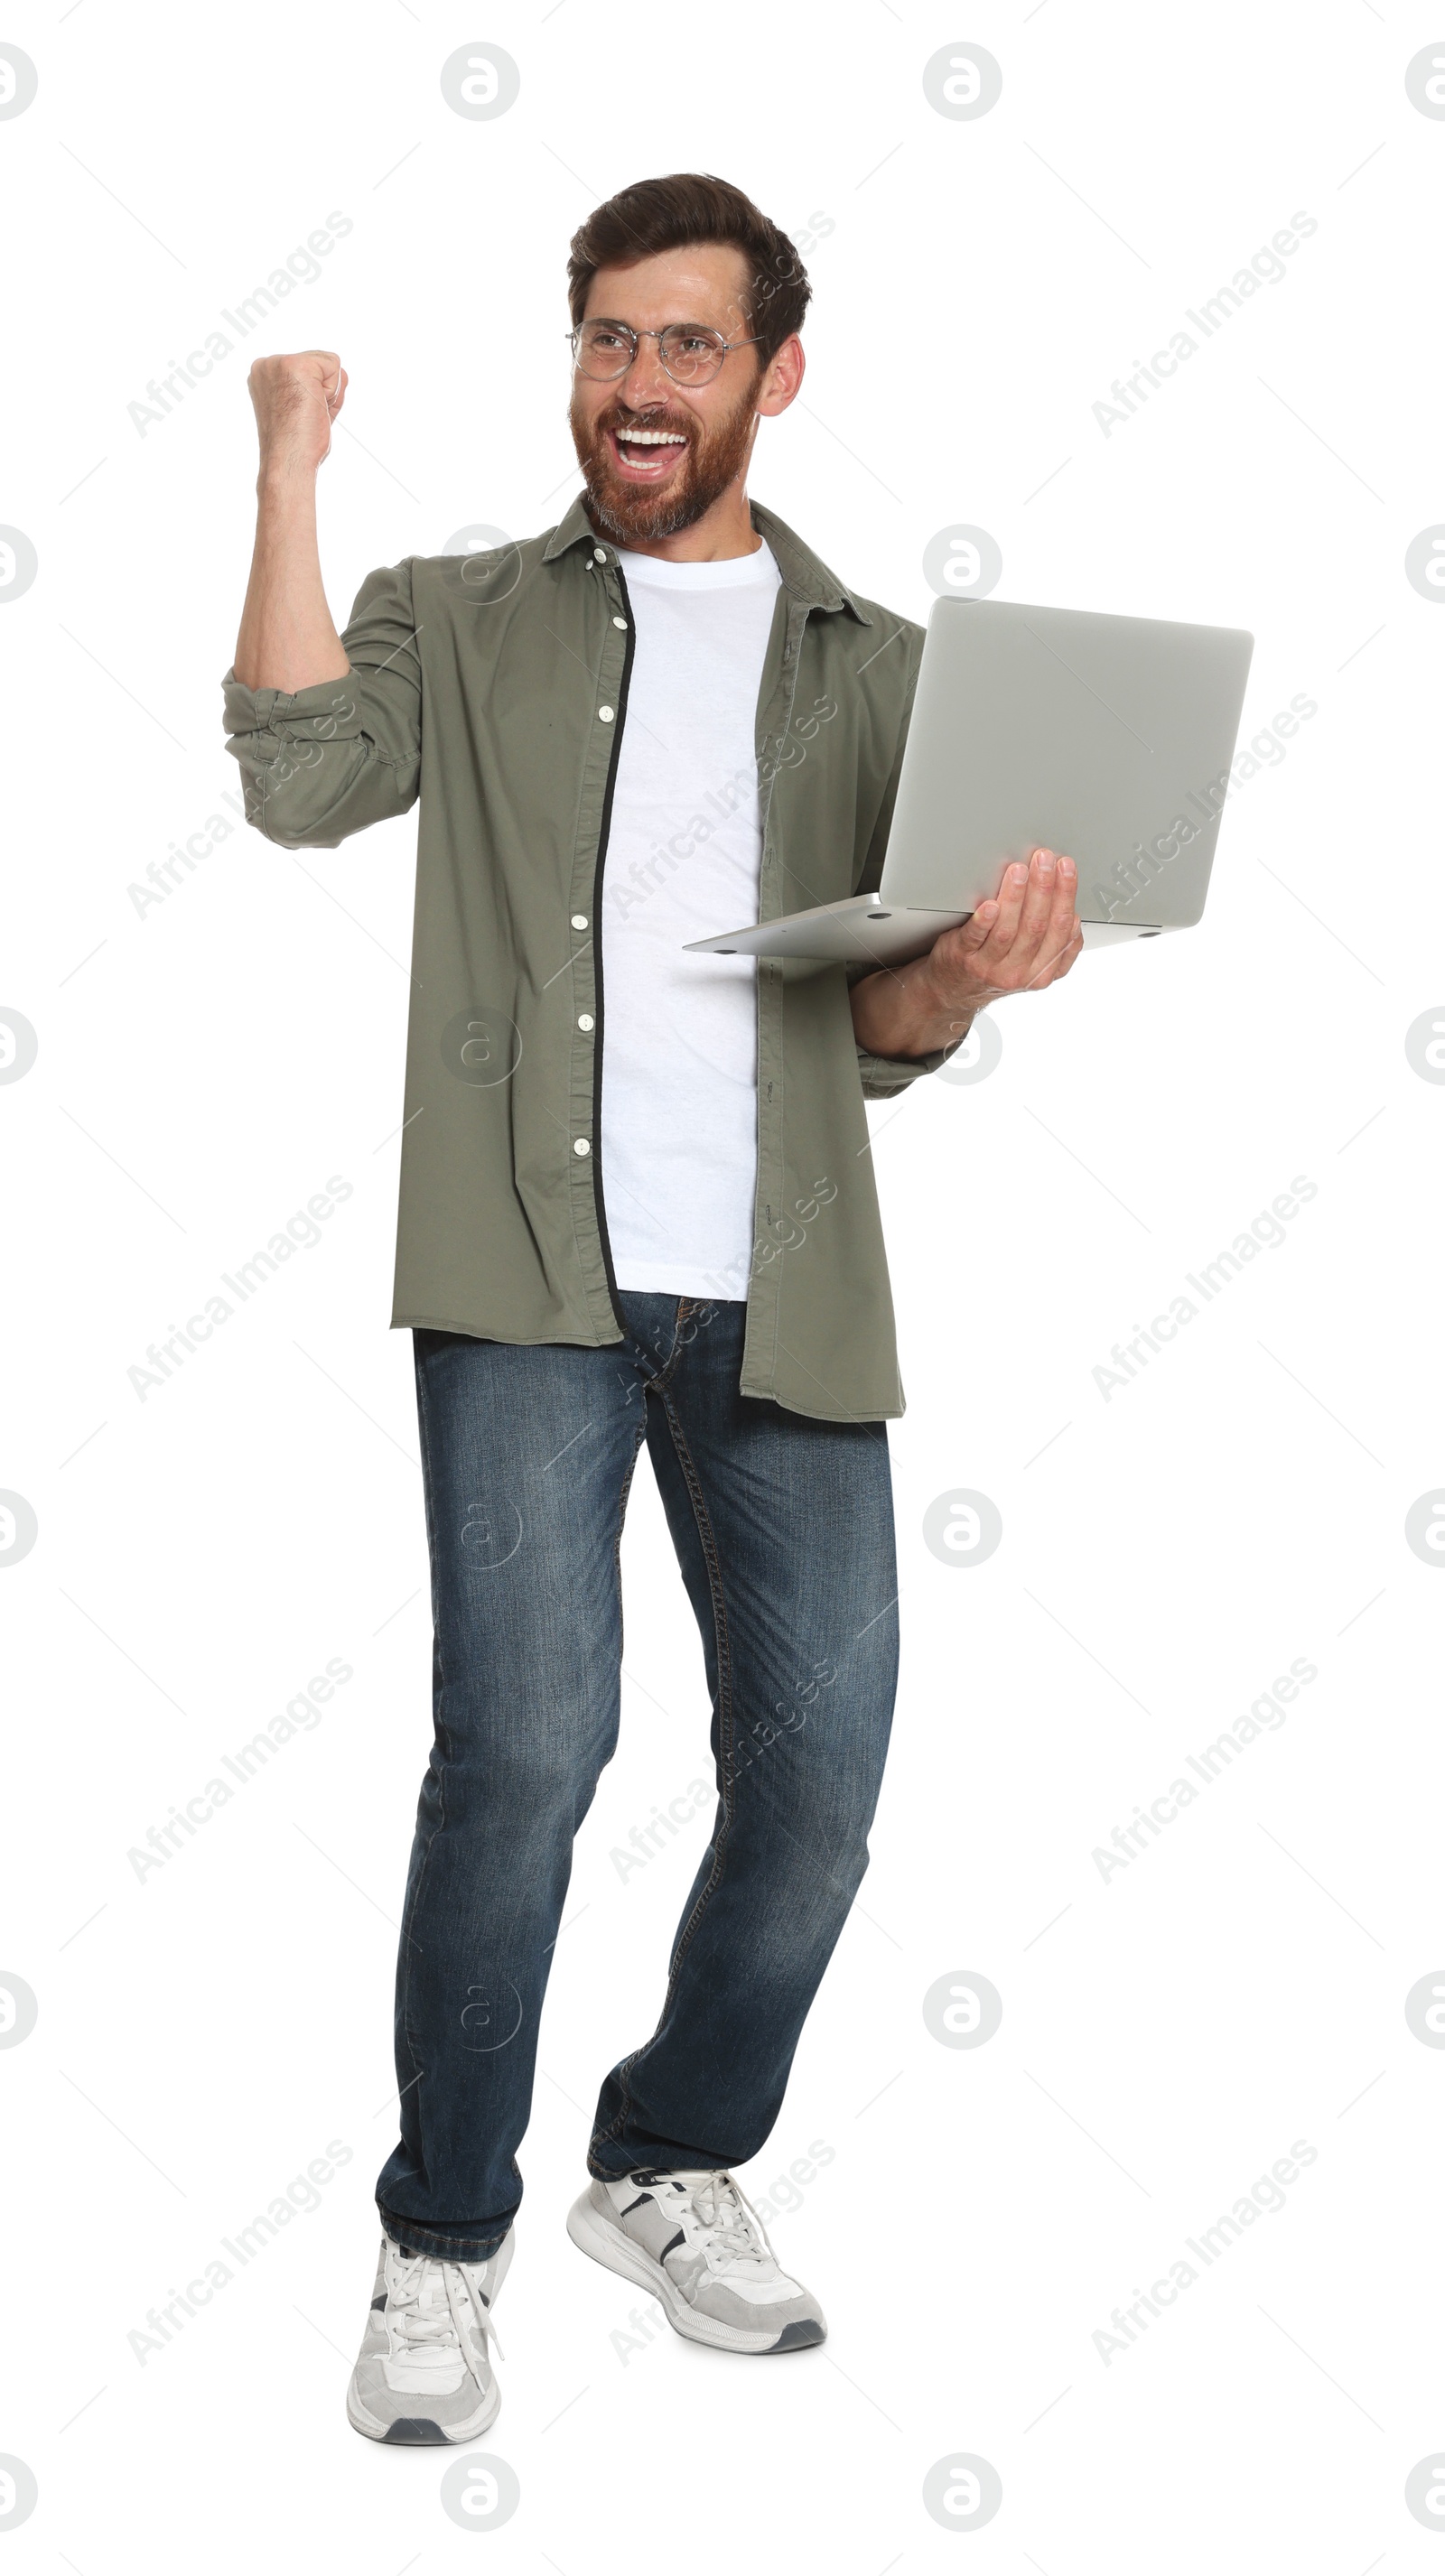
x=698 y=436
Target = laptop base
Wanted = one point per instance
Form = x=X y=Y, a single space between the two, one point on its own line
x=864 y=930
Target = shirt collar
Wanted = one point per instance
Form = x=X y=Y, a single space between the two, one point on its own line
x=804 y=574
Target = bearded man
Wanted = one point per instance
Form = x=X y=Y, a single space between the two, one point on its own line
x=636 y=1203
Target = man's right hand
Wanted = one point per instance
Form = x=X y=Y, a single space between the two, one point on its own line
x=287 y=639
x=296 y=399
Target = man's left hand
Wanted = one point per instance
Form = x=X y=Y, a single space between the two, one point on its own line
x=1023 y=938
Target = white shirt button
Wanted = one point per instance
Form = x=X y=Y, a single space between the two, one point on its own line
x=620 y=621
x=581 y=1146
x=599 y=554
x=604 y=715
x=579 y=920
x=584 y=1020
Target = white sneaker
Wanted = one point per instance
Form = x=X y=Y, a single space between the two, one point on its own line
x=424 y=2372
x=693 y=2240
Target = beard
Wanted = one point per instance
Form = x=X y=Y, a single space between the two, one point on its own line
x=631 y=514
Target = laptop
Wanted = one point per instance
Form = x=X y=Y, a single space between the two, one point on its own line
x=1108 y=739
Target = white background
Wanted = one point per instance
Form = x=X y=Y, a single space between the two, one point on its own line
x=205 y=1066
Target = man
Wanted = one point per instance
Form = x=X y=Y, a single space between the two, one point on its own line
x=631 y=731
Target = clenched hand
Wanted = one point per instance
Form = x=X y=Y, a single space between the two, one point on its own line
x=296 y=399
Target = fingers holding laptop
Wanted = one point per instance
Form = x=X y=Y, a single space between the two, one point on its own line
x=1025 y=937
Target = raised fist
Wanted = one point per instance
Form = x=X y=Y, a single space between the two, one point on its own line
x=296 y=399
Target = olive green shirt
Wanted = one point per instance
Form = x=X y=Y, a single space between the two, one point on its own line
x=494 y=688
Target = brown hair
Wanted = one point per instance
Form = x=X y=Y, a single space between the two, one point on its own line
x=669 y=214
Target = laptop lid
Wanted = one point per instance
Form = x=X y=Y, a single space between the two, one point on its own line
x=1109 y=738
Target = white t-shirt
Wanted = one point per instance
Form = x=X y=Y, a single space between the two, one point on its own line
x=679 y=1074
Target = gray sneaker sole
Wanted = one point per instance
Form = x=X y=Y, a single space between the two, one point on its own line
x=415 y=2432
x=596 y=2236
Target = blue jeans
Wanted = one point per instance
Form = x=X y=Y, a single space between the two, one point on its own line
x=783 y=1528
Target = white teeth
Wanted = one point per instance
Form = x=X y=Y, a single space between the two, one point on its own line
x=651 y=438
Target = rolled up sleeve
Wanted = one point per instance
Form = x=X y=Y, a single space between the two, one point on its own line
x=318 y=764
x=883 y=1075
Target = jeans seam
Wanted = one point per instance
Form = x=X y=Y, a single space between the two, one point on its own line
x=725 y=1713
x=410 y=1911
x=659 y=1383
x=617 y=1541
x=725 y=1686
x=617 y=1577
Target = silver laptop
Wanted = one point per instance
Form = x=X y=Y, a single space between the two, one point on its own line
x=1106 y=738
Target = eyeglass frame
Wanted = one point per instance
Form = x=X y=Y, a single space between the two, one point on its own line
x=637 y=338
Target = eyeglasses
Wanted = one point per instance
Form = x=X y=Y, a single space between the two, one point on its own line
x=690 y=354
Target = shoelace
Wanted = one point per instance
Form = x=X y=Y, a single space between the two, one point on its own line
x=420 y=2323
x=727 y=2218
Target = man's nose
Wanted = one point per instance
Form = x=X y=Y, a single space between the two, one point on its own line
x=647 y=380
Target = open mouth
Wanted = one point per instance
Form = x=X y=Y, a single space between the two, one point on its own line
x=647 y=455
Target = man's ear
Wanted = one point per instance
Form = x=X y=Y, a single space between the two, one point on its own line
x=782 y=378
